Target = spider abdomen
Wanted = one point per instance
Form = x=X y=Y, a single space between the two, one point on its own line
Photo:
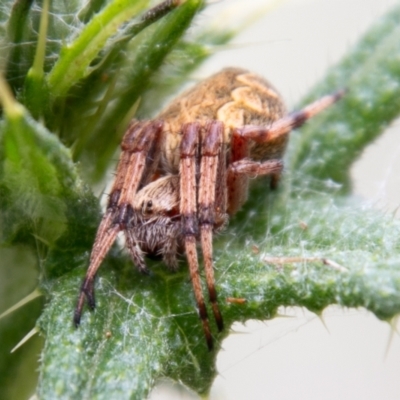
x=233 y=96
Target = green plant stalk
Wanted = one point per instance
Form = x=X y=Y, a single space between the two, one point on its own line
x=91 y=8
x=76 y=57
x=36 y=94
x=37 y=68
x=12 y=109
x=16 y=31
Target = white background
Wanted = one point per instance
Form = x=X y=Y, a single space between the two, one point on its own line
x=352 y=355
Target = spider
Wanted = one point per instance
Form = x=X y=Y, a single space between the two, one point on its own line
x=181 y=175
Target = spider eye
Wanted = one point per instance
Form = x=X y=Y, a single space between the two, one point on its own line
x=147 y=207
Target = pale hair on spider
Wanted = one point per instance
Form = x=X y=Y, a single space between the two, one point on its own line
x=181 y=175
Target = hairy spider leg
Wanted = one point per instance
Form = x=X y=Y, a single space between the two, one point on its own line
x=139 y=139
x=152 y=158
x=210 y=170
x=293 y=120
x=135 y=251
x=238 y=184
x=241 y=167
x=250 y=168
x=188 y=211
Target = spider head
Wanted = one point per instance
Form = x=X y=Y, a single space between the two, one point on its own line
x=158 y=198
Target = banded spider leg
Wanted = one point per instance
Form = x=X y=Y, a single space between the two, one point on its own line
x=138 y=161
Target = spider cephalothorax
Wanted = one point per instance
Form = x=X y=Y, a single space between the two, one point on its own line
x=182 y=174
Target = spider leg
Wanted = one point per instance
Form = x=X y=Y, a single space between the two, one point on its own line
x=237 y=180
x=135 y=251
x=136 y=144
x=210 y=156
x=188 y=211
x=170 y=249
x=238 y=184
x=221 y=190
x=239 y=173
x=293 y=120
x=248 y=167
x=151 y=159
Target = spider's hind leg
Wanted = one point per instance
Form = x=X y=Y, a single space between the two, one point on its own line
x=291 y=121
x=274 y=133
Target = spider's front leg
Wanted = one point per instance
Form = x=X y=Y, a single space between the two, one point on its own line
x=212 y=171
x=135 y=168
x=192 y=218
x=212 y=174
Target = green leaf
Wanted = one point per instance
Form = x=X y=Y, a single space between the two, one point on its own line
x=42 y=193
x=145 y=328
x=75 y=57
x=35 y=167
x=18 y=277
x=48 y=218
